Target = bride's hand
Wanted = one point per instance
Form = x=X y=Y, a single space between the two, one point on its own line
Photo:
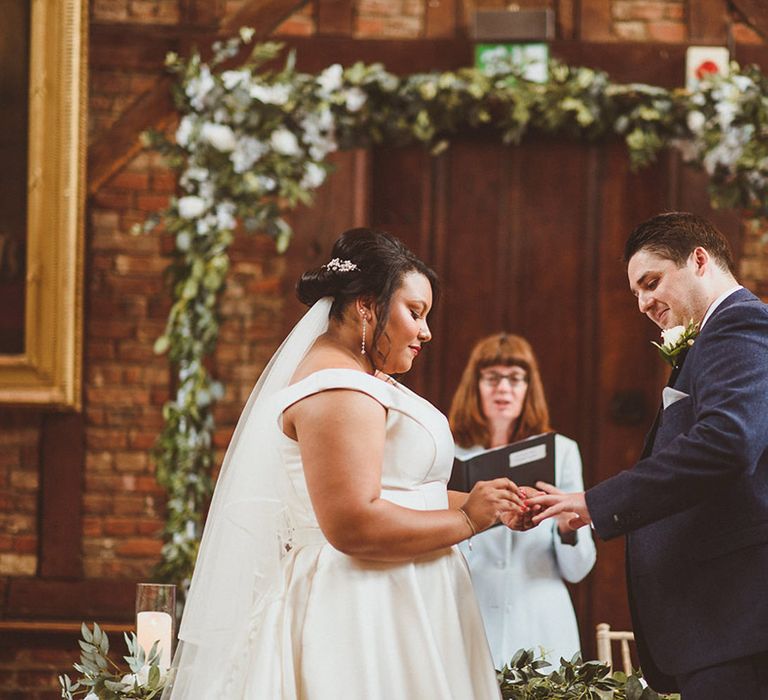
x=490 y=500
x=521 y=519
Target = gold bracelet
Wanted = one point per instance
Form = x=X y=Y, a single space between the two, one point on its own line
x=469 y=522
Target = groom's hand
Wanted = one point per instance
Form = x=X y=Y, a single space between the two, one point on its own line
x=521 y=519
x=570 y=508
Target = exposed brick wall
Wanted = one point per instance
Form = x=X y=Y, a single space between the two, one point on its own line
x=125 y=383
x=19 y=477
x=389 y=18
x=649 y=20
x=111 y=91
x=136 y=11
x=29 y=669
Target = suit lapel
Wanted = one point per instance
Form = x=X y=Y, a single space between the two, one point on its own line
x=648 y=445
x=740 y=295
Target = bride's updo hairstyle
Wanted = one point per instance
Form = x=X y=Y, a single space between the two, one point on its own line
x=378 y=263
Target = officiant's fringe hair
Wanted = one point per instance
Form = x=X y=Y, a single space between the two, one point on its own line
x=381 y=259
x=675 y=234
x=468 y=423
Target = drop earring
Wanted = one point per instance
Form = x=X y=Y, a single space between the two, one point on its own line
x=362 y=343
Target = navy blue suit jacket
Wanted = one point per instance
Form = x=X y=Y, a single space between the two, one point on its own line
x=695 y=510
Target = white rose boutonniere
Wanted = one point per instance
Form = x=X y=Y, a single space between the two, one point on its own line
x=676 y=339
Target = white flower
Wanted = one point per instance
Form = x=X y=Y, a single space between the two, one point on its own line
x=277 y=94
x=689 y=150
x=193 y=174
x=220 y=136
x=198 y=87
x=730 y=149
x=246 y=152
x=696 y=121
x=330 y=79
x=225 y=216
x=284 y=142
x=91 y=696
x=742 y=82
x=141 y=677
x=699 y=99
x=191 y=207
x=671 y=336
x=314 y=176
x=184 y=132
x=354 y=99
x=318 y=128
x=267 y=183
x=726 y=111
x=205 y=224
x=207 y=190
x=233 y=78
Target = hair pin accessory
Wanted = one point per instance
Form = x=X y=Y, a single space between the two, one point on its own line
x=339 y=265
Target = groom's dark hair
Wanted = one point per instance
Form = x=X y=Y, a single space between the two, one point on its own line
x=674 y=235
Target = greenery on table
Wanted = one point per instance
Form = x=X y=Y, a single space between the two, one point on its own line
x=102 y=679
x=252 y=143
x=523 y=679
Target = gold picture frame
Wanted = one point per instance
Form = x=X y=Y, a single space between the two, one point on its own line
x=49 y=371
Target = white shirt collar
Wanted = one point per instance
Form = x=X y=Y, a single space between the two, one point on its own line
x=717 y=303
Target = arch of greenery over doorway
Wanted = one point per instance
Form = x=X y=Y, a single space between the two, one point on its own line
x=252 y=143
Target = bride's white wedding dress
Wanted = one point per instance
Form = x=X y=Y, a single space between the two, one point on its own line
x=342 y=627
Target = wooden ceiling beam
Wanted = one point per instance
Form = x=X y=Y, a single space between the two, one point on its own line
x=154 y=109
x=756 y=14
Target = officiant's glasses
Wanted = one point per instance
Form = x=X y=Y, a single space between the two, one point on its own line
x=493 y=379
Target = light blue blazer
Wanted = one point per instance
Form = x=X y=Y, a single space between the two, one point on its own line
x=518 y=576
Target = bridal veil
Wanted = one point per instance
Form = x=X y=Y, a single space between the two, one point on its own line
x=247 y=531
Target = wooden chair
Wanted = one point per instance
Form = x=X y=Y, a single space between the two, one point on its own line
x=605 y=639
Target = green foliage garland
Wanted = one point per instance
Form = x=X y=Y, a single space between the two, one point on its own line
x=523 y=679
x=252 y=143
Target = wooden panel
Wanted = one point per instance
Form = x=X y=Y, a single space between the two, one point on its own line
x=202 y=12
x=341 y=203
x=441 y=18
x=629 y=374
x=692 y=194
x=708 y=21
x=565 y=18
x=62 y=458
x=475 y=248
x=655 y=63
x=595 y=20
x=334 y=17
x=94 y=599
x=402 y=183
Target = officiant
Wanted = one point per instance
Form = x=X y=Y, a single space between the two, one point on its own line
x=519 y=576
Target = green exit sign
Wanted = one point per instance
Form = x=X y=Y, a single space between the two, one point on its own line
x=530 y=59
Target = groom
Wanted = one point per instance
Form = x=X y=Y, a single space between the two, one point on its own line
x=694 y=509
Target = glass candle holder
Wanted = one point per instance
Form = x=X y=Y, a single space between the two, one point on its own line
x=155 y=615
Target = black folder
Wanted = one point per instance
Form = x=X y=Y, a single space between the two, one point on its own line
x=525 y=462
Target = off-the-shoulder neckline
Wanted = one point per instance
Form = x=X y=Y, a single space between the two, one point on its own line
x=344 y=370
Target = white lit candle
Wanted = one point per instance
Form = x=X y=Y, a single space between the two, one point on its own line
x=151 y=627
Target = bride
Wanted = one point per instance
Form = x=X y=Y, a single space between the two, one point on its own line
x=327 y=568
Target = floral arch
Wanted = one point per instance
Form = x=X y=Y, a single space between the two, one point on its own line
x=252 y=143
